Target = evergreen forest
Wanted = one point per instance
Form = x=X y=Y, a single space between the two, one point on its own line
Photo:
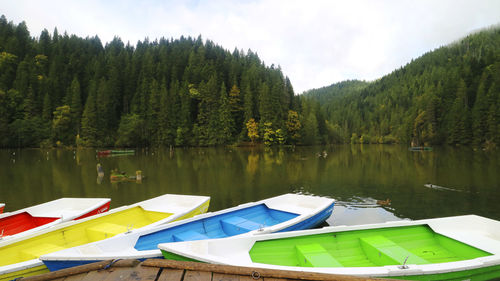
x=59 y=89
x=64 y=90
x=447 y=96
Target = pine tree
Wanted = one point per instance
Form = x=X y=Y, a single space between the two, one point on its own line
x=183 y=132
x=164 y=123
x=206 y=126
x=310 y=129
x=22 y=82
x=480 y=111
x=492 y=120
x=153 y=112
x=226 y=121
x=30 y=108
x=460 y=114
x=103 y=106
x=265 y=104
x=174 y=108
x=431 y=120
x=89 y=132
x=236 y=106
x=248 y=109
x=47 y=108
x=76 y=105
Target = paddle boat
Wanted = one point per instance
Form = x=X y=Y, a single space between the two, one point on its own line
x=20 y=256
x=281 y=213
x=32 y=219
x=451 y=248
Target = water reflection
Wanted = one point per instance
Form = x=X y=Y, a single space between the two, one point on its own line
x=359 y=177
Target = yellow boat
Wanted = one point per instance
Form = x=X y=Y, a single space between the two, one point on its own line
x=19 y=257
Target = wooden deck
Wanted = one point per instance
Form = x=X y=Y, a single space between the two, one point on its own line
x=168 y=270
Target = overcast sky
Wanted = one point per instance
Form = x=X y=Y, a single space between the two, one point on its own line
x=316 y=43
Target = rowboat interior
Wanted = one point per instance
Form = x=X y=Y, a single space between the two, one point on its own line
x=23 y=221
x=223 y=225
x=365 y=248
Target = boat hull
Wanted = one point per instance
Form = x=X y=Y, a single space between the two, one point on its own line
x=477 y=274
x=30 y=271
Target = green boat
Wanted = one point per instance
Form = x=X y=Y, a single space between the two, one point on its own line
x=453 y=248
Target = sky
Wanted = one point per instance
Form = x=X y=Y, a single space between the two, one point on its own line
x=315 y=42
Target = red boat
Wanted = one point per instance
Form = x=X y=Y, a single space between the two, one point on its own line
x=104 y=152
x=2 y=205
x=31 y=219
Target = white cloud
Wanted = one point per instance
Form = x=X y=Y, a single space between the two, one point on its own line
x=315 y=42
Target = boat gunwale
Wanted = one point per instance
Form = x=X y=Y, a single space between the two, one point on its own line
x=99 y=203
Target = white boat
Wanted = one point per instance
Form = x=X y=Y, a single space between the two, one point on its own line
x=282 y=213
x=35 y=218
x=452 y=248
x=19 y=257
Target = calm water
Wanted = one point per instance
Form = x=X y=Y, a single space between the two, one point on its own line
x=357 y=176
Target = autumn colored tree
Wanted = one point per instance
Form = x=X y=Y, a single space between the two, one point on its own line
x=293 y=126
x=252 y=129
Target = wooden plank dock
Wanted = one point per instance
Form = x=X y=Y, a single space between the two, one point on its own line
x=169 y=270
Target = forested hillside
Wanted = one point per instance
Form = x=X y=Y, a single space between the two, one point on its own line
x=448 y=96
x=60 y=89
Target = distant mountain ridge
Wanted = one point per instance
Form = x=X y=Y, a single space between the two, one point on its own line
x=446 y=96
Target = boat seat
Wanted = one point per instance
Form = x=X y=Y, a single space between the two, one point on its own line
x=104 y=230
x=383 y=251
x=314 y=255
x=237 y=225
x=35 y=252
x=189 y=236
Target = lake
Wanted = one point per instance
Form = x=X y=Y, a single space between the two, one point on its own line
x=360 y=177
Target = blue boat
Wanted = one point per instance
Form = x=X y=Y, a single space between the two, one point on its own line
x=281 y=213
